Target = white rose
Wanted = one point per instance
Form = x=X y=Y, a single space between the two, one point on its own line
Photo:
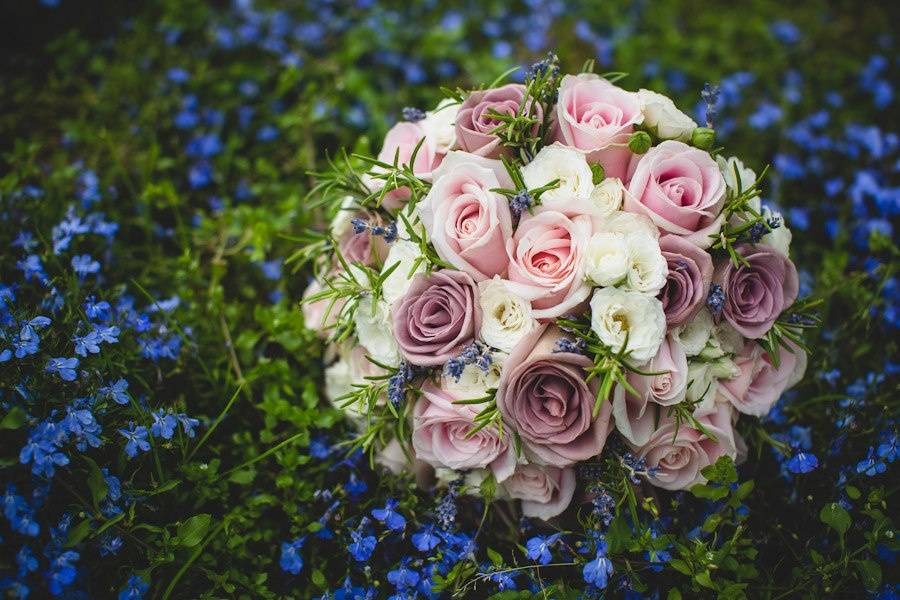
x=648 y=269
x=339 y=382
x=373 y=328
x=506 y=316
x=399 y=280
x=694 y=334
x=725 y=339
x=567 y=165
x=342 y=220
x=617 y=314
x=440 y=125
x=625 y=223
x=780 y=237
x=607 y=258
x=606 y=197
x=473 y=382
x=746 y=176
x=662 y=114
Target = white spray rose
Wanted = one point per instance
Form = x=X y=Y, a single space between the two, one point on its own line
x=606 y=197
x=662 y=114
x=474 y=382
x=373 y=327
x=506 y=316
x=780 y=237
x=694 y=334
x=625 y=223
x=647 y=269
x=399 y=280
x=440 y=125
x=745 y=175
x=617 y=314
x=567 y=165
x=607 y=258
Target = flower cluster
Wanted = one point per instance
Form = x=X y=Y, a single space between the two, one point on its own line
x=552 y=285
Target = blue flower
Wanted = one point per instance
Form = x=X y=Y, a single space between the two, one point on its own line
x=26 y=560
x=362 y=546
x=134 y=589
x=64 y=367
x=164 y=424
x=109 y=545
x=62 y=572
x=426 y=539
x=85 y=344
x=538 y=548
x=108 y=334
x=178 y=75
x=84 y=265
x=403 y=577
x=137 y=439
x=388 y=515
x=802 y=462
x=116 y=391
x=98 y=311
x=291 y=561
x=32 y=268
x=187 y=424
x=597 y=571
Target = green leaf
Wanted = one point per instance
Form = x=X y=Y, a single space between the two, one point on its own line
x=705 y=580
x=14 y=419
x=835 y=517
x=722 y=471
x=853 y=492
x=96 y=482
x=673 y=594
x=78 y=533
x=709 y=492
x=318 y=578
x=619 y=535
x=495 y=557
x=192 y=531
x=869 y=573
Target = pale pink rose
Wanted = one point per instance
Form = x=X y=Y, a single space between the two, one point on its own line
x=363 y=247
x=320 y=315
x=468 y=224
x=759 y=385
x=597 y=117
x=546 y=256
x=441 y=435
x=635 y=416
x=687 y=284
x=437 y=317
x=400 y=143
x=475 y=123
x=680 y=188
x=544 y=397
x=758 y=289
x=680 y=453
x=545 y=491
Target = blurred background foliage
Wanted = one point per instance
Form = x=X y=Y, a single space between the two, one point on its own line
x=193 y=127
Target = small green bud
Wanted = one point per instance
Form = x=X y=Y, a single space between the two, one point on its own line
x=703 y=138
x=598 y=174
x=639 y=142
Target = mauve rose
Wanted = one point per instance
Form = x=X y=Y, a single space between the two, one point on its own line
x=546 y=257
x=441 y=435
x=597 y=117
x=545 y=491
x=680 y=188
x=400 y=143
x=543 y=396
x=757 y=292
x=437 y=317
x=474 y=122
x=759 y=385
x=687 y=284
x=467 y=223
x=679 y=458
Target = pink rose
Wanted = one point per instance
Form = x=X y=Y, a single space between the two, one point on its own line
x=687 y=284
x=441 y=435
x=635 y=416
x=757 y=292
x=546 y=257
x=400 y=143
x=759 y=385
x=474 y=121
x=544 y=491
x=679 y=457
x=363 y=247
x=680 y=188
x=597 y=117
x=543 y=396
x=320 y=315
x=468 y=224
x=437 y=317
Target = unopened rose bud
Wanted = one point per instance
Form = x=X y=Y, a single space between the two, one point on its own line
x=703 y=138
x=639 y=142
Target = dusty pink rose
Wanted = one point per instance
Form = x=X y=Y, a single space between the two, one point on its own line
x=687 y=284
x=468 y=224
x=437 y=317
x=757 y=292
x=760 y=383
x=474 y=121
x=679 y=457
x=680 y=188
x=441 y=435
x=546 y=257
x=545 y=491
x=635 y=415
x=400 y=144
x=543 y=396
x=597 y=117
x=320 y=315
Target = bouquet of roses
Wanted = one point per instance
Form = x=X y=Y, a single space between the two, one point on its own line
x=531 y=268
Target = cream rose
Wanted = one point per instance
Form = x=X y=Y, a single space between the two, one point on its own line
x=405 y=253
x=440 y=125
x=373 y=327
x=618 y=314
x=507 y=316
x=661 y=114
x=607 y=259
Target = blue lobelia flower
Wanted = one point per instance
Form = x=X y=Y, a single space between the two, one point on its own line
x=426 y=539
x=134 y=589
x=403 y=577
x=538 y=548
x=388 y=515
x=137 y=439
x=187 y=424
x=116 y=391
x=291 y=561
x=362 y=546
x=597 y=571
x=84 y=265
x=64 y=367
x=802 y=462
x=164 y=424
x=85 y=344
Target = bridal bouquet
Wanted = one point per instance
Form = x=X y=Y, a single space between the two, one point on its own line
x=531 y=269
